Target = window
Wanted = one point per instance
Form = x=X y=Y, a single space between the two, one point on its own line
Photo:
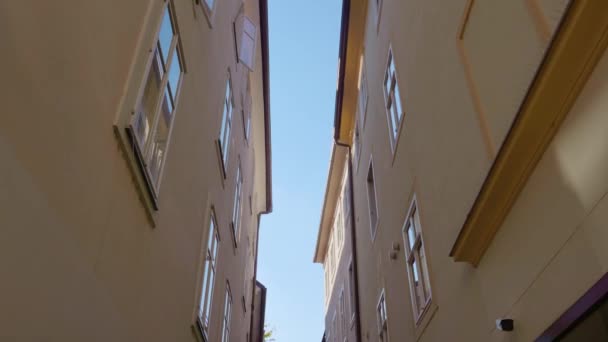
x=371 y=199
x=152 y=120
x=417 y=269
x=209 y=10
x=351 y=290
x=392 y=99
x=245 y=35
x=226 y=127
x=236 y=213
x=382 y=318
x=209 y=3
x=227 y=315
x=209 y=272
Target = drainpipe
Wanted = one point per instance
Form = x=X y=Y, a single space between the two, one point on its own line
x=353 y=238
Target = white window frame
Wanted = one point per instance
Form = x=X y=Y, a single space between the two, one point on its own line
x=421 y=295
x=209 y=276
x=237 y=206
x=226 y=321
x=382 y=318
x=373 y=225
x=209 y=11
x=392 y=99
x=226 y=126
x=146 y=160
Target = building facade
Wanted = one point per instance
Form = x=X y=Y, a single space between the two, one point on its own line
x=475 y=137
x=135 y=143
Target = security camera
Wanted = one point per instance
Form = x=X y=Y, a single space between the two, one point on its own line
x=505 y=324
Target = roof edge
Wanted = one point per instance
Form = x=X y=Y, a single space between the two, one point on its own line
x=266 y=80
x=344 y=26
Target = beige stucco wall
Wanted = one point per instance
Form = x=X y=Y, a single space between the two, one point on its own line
x=345 y=324
x=79 y=256
x=550 y=248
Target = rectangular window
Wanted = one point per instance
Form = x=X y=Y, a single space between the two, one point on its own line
x=236 y=213
x=226 y=128
x=382 y=318
x=245 y=35
x=351 y=290
x=152 y=122
x=209 y=272
x=371 y=199
x=417 y=269
x=392 y=99
x=227 y=315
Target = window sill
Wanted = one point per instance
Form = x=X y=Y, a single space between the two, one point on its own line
x=425 y=318
x=197 y=331
x=144 y=192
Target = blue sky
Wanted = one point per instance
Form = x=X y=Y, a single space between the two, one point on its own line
x=304 y=38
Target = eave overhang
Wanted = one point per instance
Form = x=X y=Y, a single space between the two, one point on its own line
x=576 y=48
x=332 y=192
x=354 y=14
x=266 y=86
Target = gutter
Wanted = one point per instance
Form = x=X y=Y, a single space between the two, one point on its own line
x=263 y=5
x=266 y=85
x=353 y=238
x=337 y=123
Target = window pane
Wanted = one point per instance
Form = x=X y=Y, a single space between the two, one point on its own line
x=166 y=35
x=210 y=3
x=387 y=84
x=204 y=289
x=247 y=49
x=398 y=102
x=411 y=234
x=174 y=75
x=159 y=146
x=425 y=273
x=415 y=272
x=147 y=105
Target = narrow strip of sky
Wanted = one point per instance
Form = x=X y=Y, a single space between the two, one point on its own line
x=304 y=39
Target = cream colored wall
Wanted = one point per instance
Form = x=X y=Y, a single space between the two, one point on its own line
x=341 y=284
x=550 y=248
x=79 y=256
